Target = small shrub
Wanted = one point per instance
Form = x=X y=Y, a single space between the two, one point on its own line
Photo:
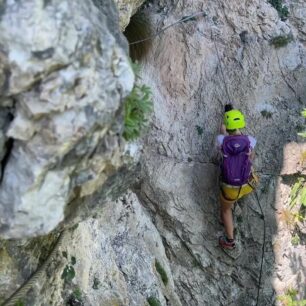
x=290 y=299
x=295 y=240
x=73 y=260
x=298 y=193
x=77 y=293
x=303 y=134
x=281 y=9
x=266 y=114
x=281 y=41
x=75 y=298
x=137 y=107
x=161 y=272
x=68 y=274
x=96 y=284
x=153 y=301
x=199 y=130
x=19 y=303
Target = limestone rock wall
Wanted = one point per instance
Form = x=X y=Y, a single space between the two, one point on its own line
x=64 y=78
x=180 y=174
x=127 y=8
x=171 y=215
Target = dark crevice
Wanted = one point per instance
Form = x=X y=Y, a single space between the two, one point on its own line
x=138 y=29
x=8 y=149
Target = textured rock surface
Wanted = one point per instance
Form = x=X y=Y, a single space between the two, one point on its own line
x=113 y=259
x=67 y=77
x=180 y=178
x=113 y=255
x=127 y=8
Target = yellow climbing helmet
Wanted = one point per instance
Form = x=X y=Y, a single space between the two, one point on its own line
x=234 y=119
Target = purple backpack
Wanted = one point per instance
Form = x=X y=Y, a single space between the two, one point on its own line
x=236 y=165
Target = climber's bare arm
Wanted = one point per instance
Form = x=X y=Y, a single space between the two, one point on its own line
x=223 y=130
x=252 y=157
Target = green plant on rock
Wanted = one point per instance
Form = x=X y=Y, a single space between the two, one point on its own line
x=75 y=298
x=162 y=272
x=282 y=10
x=281 y=40
x=297 y=201
x=298 y=192
x=68 y=272
x=303 y=134
x=297 y=197
x=153 y=301
x=137 y=107
x=199 y=130
x=266 y=114
x=77 y=293
x=290 y=298
x=295 y=240
x=96 y=283
x=19 y=303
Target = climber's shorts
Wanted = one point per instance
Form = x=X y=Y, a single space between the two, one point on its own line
x=229 y=194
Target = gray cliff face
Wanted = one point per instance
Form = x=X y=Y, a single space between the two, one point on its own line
x=168 y=223
x=180 y=177
x=64 y=78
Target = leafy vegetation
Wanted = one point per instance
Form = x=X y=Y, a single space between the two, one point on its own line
x=75 y=298
x=298 y=193
x=281 y=40
x=282 y=10
x=77 y=293
x=295 y=240
x=153 y=301
x=19 y=303
x=68 y=272
x=96 y=284
x=199 y=130
x=161 y=272
x=297 y=200
x=290 y=298
x=137 y=107
x=266 y=114
x=295 y=213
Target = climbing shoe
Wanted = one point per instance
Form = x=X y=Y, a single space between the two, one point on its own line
x=226 y=243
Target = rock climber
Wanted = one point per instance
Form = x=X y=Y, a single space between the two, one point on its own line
x=237 y=176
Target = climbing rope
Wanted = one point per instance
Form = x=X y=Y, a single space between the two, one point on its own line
x=184 y=19
x=263 y=247
x=19 y=294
